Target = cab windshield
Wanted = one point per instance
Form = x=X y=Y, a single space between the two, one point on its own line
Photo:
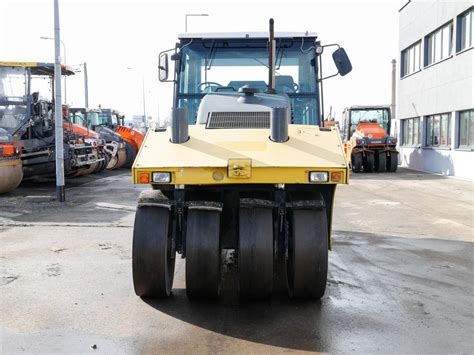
x=226 y=65
x=380 y=116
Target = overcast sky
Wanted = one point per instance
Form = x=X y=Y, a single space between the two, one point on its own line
x=112 y=35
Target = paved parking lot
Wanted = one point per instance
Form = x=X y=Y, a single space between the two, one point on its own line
x=401 y=276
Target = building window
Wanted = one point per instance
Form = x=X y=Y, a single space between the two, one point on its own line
x=411 y=59
x=411 y=131
x=438 y=44
x=438 y=130
x=466 y=129
x=465 y=30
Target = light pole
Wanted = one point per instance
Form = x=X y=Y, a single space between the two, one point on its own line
x=186 y=20
x=86 y=82
x=143 y=95
x=64 y=51
x=58 y=112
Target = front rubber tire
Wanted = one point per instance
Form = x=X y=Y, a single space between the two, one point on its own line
x=203 y=254
x=255 y=253
x=153 y=257
x=356 y=163
x=392 y=162
x=381 y=162
x=307 y=263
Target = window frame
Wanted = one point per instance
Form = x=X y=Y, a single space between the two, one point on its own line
x=470 y=145
x=459 y=30
x=411 y=133
x=434 y=123
x=430 y=56
x=406 y=63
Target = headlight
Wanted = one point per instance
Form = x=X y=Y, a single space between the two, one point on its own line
x=162 y=177
x=359 y=141
x=392 y=140
x=318 y=176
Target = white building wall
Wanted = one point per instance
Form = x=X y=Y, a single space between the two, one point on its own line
x=443 y=87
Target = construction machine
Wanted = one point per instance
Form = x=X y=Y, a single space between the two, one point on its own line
x=94 y=123
x=133 y=139
x=244 y=168
x=26 y=113
x=11 y=172
x=368 y=143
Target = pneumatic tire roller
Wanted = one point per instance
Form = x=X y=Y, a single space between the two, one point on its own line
x=254 y=173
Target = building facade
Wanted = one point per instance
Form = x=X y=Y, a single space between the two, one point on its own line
x=435 y=106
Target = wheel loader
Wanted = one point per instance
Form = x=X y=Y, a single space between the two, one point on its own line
x=369 y=145
x=243 y=168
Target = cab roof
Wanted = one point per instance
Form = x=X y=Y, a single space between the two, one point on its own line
x=38 y=68
x=243 y=35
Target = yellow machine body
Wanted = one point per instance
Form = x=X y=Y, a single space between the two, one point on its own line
x=245 y=156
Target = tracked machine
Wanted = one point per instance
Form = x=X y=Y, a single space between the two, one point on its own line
x=369 y=145
x=244 y=167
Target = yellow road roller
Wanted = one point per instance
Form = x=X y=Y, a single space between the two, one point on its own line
x=243 y=166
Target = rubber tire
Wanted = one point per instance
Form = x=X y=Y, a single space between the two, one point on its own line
x=356 y=163
x=131 y=154
x=307 y=263
x=203 y=254
x=153 y=258
x=392 y=162
x=381 y=162
x=255 y=253
x=369 y=162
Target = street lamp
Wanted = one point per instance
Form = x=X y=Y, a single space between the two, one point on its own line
x=64 y=51
x=186 y=20
x=143 y=95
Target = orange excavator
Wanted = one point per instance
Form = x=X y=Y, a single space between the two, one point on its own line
x=367 y=140
x=11 y=171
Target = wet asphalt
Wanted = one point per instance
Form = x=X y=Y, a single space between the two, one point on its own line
x=401 y=277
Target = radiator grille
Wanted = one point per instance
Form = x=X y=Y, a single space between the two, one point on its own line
x=238 y=120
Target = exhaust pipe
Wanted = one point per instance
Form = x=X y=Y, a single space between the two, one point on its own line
x=179 y=125
x=279 y=118
x=271 y=59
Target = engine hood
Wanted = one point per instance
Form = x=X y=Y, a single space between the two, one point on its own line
x=245 y=105
x=370 y=130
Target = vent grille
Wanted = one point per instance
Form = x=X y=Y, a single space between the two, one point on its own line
x=238 y=120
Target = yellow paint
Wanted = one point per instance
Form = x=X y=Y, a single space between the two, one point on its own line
x=218 y=176
x=204 y=158
x=18 y=64
x=10 y=162
x=239 y=169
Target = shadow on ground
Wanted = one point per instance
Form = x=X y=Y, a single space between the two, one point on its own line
x=400 y=174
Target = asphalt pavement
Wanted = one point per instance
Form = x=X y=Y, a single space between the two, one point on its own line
x=401 y=277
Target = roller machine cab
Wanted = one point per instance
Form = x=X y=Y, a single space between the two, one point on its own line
x=244 y=168
x=369 y=145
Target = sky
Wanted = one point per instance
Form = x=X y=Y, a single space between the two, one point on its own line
x=120 y=41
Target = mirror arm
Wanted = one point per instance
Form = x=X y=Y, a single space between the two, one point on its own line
x=327 y=77
x=320 y=51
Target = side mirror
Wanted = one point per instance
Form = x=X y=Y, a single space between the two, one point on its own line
x=163 y=67
x=342 y=62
